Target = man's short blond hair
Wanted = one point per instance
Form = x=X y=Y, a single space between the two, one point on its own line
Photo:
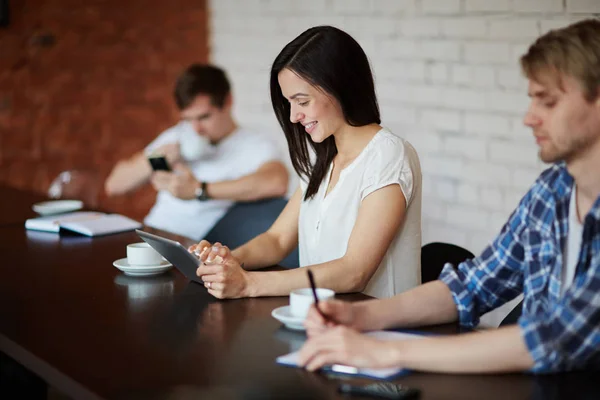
x=571 y=51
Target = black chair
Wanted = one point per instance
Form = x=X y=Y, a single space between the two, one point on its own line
x=435 y=255
x=245 y=221
x=513 y=315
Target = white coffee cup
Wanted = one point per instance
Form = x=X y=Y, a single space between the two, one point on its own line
x=301 y=299
x=142 y=254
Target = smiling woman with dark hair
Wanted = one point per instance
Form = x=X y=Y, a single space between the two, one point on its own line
x=357 y=213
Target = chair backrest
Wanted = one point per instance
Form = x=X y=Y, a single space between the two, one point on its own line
x=245 y=221
x=513 y=316
x=435 y=255
x=81 y=185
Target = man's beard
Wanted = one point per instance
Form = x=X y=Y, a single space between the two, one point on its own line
x=565 y=153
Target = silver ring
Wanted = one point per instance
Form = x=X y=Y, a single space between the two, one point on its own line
x=208 y=285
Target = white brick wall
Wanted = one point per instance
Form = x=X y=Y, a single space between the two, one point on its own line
x=487 y=5
x=447 y=78
x=583 y=6
x=538 y=6
x=440 y=6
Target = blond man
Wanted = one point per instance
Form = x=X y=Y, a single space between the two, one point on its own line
x=549 y=250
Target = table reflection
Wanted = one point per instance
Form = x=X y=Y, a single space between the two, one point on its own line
x=140 y=288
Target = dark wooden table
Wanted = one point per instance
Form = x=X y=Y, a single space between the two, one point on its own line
x=91 y=332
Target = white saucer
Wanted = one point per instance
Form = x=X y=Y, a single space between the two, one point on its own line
x=57 y=206
x=290 y=321
x=142 y=270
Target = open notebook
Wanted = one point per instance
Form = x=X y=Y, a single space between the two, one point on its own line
x=89 y=223
x=291 y=359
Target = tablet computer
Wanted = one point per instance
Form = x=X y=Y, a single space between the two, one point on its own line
x=175 y=253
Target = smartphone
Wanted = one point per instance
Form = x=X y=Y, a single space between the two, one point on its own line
x=382 y=390
x=159 y=163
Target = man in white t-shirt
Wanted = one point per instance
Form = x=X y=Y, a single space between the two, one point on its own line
x=213 y=162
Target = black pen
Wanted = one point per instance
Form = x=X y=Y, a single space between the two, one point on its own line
x=314 y=291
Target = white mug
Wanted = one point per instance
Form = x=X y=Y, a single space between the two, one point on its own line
x=301 y=299
x=142 y=254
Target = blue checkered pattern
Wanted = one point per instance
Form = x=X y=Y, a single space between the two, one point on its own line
x=561 y=332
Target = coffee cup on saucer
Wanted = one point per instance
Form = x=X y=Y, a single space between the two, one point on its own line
x=142 y=255
x=301 y=300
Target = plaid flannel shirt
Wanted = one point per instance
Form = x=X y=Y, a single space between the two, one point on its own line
x=561 y=332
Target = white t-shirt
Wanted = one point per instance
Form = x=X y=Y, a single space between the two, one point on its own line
x=239 y=154
x=572 y=247
x=325 y=224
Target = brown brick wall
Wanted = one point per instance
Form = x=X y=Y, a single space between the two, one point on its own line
x=100 y=92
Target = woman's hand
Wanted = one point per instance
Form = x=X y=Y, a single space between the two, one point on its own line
x=220 y=271
x=209 y=253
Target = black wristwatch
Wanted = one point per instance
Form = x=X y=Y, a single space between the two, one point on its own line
x=201 y=192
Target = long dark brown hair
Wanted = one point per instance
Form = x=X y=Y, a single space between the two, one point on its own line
x=331 y=60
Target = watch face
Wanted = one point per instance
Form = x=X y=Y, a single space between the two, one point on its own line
x=201 y=192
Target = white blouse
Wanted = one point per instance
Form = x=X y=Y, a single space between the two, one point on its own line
x=325 y=223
